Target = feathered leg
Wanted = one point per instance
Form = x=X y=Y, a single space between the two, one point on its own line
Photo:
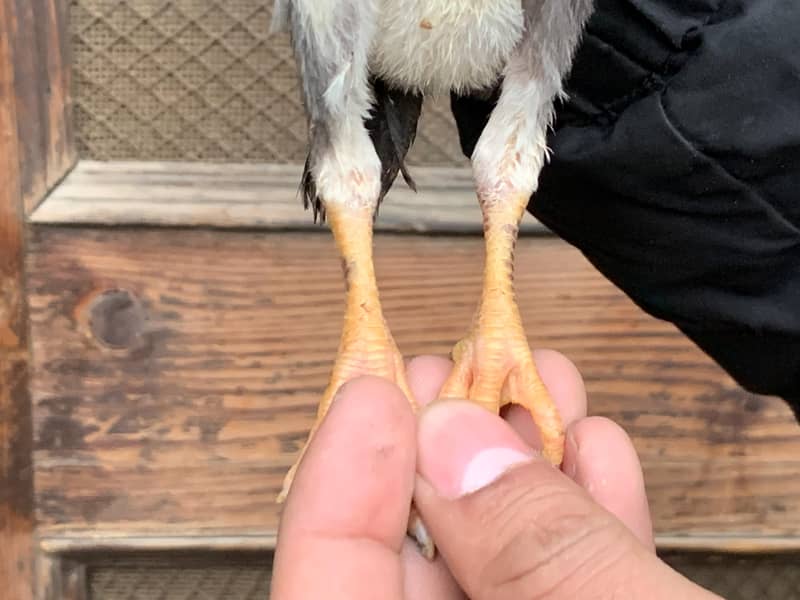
x=355 y=154
x=494 y=365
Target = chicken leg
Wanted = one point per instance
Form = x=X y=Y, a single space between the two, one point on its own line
x=366 y=346
x=493 y=363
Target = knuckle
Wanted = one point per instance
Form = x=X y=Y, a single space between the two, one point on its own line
x=548 y=540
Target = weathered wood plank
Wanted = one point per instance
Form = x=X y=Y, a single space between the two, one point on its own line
x=54 y=43
x=29 y=87
x=172 y=406
x=41 y=56
x=60 y=578
x=246 y=196
x=120 y=540
x=16 y=493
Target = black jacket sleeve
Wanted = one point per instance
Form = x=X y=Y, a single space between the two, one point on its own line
x=676 y=170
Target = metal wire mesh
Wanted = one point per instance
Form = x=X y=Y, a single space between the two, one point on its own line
x=173 y=577
x=179 y=577
x=199 y=80
x=761 y=577
x=131 y=583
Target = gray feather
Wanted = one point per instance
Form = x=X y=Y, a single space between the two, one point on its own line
x=280 y=16
x=553 y=31
x=322 y=55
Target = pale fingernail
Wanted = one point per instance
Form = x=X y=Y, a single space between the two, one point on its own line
x=462 y=448
x=488 y=465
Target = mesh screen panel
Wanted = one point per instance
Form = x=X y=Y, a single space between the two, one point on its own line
x=213 y=577
x=171 y=576
x=767 y=577
x=199 y=80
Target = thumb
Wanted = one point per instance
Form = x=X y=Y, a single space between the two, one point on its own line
x=509 y=525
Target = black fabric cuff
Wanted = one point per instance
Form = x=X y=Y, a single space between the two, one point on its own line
x=676 y=171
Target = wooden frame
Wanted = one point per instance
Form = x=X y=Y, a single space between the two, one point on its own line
x=39 y=42
x=36 y=151
x=97 y=290
x=60 y=577
x=16 y=477
x=247 y=196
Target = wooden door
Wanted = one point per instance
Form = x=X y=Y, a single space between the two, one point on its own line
x=166 y=326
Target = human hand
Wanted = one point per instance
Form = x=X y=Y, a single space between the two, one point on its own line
x=506 y=523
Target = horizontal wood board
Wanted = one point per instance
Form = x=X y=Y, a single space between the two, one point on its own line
x=247 y=196
x=185 y=427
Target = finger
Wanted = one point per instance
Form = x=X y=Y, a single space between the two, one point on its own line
x=565 y=384
x=345 y=518
x=426 y=375
x=507 y=523
x=601 y=458
x=426 y=579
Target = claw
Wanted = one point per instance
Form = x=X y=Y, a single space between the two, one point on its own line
x=419 y=533
x=289 y=478
x=459 y=382
x=526 y=388
x=508 y=376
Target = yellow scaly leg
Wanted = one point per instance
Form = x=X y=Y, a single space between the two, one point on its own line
x=494 y=364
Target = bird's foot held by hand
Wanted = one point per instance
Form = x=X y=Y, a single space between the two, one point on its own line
x=360 y=354
x=495 y=368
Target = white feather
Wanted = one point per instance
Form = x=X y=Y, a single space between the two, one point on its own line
x=280 y=17
x=442 y=45
x=349 y=174
x=430 y=46
x=512 y=149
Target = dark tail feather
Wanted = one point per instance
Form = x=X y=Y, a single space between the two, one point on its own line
x=392 y=126
x=472 y=112
x=308 y=189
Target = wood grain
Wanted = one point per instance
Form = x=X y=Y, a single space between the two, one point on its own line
x=247 y=196
x=60 y=578
x=180 y=412
x=41 y=62
x=16 y=493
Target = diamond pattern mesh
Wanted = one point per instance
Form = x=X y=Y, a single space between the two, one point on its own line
x=168 y=577
x=218 y=583
x=199 y=80
x=171 y=577
x=743 y=577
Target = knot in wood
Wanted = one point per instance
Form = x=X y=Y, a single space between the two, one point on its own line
x=117 y=319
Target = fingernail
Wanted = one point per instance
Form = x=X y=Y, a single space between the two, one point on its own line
x=570 y=464
x=463 y=448
x=487 y=466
